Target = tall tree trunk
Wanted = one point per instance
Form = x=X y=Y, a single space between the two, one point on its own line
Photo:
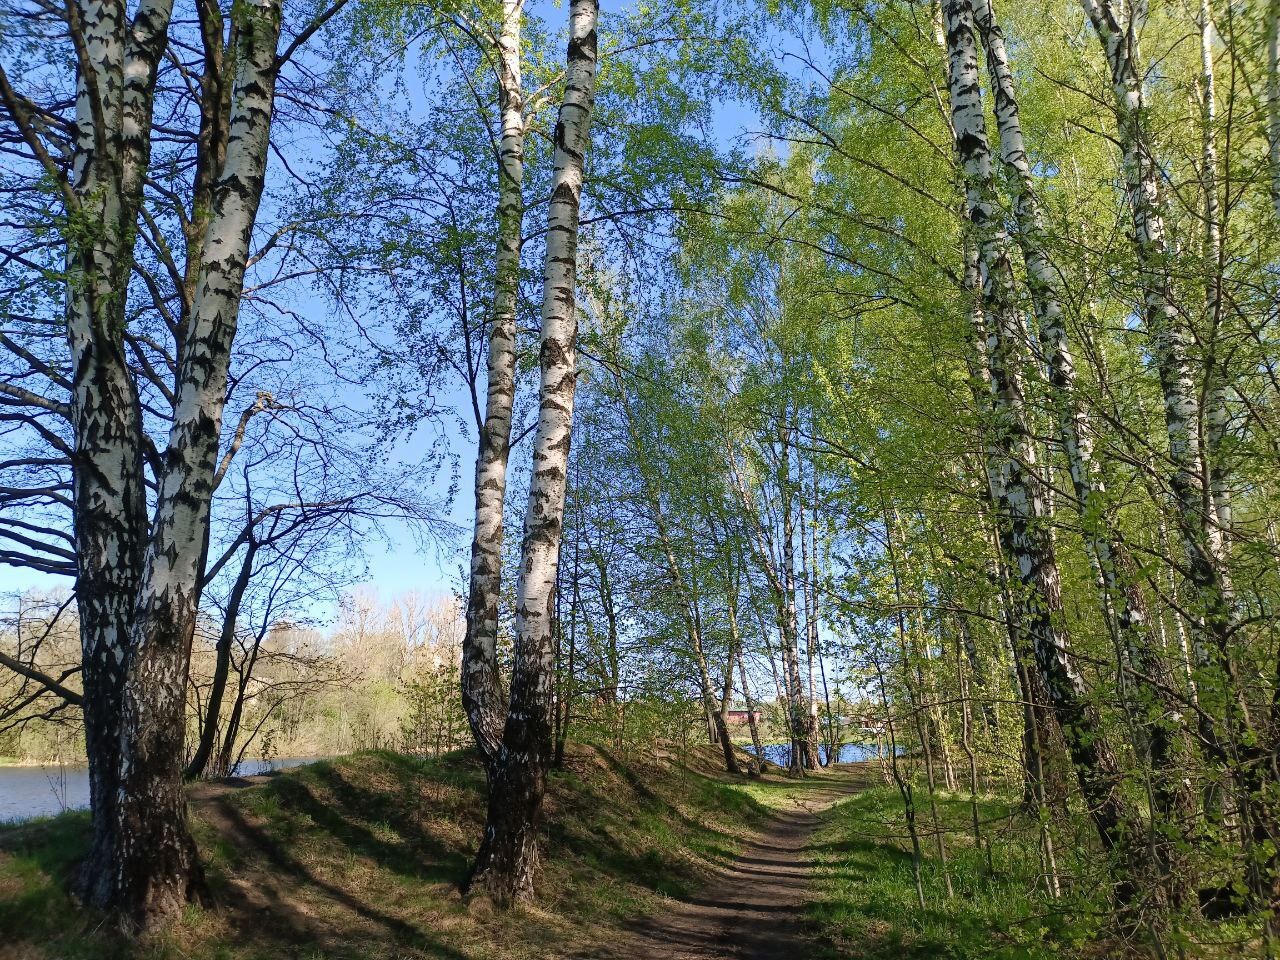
x=481 y=683
x=1211 y=587
x=1217 y=393
x=717 y=709
x=1022 y=534
x=116 y=61
x=1227 y=728
x=752 y=723
x=156 y=862
x=1273 y=99
x=808 y=563
x=1124 y=606
x=507 y=863
x=788 y=620
x=735 y=640
x=1044 y=783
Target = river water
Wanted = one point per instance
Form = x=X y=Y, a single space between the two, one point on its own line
x=27 y=792
x=780 y=753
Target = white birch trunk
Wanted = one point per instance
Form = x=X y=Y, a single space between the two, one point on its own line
x=1124 y=607
x=1118 y=32
x=1020 y=505
x=481 y=684
x=155 y=862
x=115 y=78
x=507 y=864
x=1217 y=369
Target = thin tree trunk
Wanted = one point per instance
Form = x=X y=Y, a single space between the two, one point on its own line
x=507 y=863
x=808 y=564
x=903 y=784
x=565 y=704
x=222 y=668
x=788 y=620
x=750 y=701
x=1273 y=99
x=1226 y=726
x=481 y=683
x=1021 y=509
x=1211 y=588
x=1217 y=367
x=1124 y=607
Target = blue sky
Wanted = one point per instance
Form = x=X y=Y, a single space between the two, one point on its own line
x=398 y=563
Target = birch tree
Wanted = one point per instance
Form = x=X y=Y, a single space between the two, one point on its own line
x=1019 y=500
x=140 y=573
x=1125 y=607
x=481 y=683
x=101 y=192
x=507 y=863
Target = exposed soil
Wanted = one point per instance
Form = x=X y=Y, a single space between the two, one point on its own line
x=755 y=908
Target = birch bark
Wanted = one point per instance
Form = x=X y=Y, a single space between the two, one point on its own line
x=1019 y=501
x=1227 y=728
x=481 y=684
x=116 y=62
x=1117 y=29
x=507 y=863
x=1124 y=606
x=156 y=864
x=1217 y=370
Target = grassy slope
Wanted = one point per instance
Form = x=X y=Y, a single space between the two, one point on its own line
x=362 y=857
x=866 y=903
x=867 y=897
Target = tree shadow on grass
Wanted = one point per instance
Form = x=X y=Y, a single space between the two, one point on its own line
x=413 y=853
x=291 y=925
x=870 y=900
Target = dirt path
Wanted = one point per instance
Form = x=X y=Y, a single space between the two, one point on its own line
x=754 y=910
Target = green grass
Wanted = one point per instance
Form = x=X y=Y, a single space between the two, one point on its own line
x=868 y=906
x=363 y=856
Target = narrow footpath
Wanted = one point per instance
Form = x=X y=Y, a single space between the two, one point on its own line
x=755 y=908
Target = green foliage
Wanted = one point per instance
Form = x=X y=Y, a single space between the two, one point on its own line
x=867 y=898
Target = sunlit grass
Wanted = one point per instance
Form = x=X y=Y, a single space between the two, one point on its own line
x=363 y=857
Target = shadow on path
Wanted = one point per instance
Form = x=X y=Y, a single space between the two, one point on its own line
x=753 y=909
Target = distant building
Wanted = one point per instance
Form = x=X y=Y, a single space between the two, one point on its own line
x=739 y=717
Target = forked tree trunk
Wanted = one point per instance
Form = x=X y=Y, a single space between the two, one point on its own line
x=507 y=863
x=481 y=683
x=156 y=864
x=1021 y=509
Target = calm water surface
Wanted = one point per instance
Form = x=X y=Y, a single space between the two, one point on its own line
x=27 y=792
x=780 y=753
